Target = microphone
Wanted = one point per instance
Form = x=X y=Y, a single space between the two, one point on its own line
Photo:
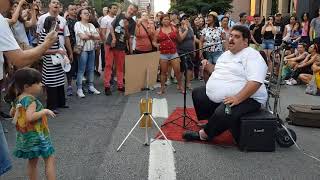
x=196 y=50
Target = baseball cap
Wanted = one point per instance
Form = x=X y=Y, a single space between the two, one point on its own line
x=213 y=13
x=278 y=14
x=183 y=16
x=242 y=14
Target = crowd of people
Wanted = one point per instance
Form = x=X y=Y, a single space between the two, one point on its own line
x=87 y=42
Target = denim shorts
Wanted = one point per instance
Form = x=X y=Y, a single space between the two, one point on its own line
x=268 y=44
x=168 y=56
x=212 y=57
x=5 y=163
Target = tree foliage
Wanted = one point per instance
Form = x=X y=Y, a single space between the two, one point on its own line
x=202 y=6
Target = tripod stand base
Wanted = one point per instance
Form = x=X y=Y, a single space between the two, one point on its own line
x=184 y=116
x=147 y=138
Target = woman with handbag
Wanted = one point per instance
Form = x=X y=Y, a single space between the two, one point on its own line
x=86 y=35
x=144 y=35
x=167 y=37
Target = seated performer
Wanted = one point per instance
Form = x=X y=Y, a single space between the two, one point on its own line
x=234 y=88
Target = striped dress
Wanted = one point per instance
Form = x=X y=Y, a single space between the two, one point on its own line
x=52 y=75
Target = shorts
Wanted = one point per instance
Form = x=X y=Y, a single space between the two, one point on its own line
x=186 y=62
x=5 y=163
x=212 y=57
x=169 y=57
x=268 y=44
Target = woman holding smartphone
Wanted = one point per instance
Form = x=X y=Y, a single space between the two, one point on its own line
x=268 y=33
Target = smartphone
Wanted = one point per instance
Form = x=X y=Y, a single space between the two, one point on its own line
x=54 y=26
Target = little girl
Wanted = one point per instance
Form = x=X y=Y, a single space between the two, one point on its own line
x=30 y=118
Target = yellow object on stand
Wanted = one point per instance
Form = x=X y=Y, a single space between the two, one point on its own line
x=146 y=107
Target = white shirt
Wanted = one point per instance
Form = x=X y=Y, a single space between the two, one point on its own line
x=19 y=32
x=106 y=22
x=7 y=41
x=233 y=71
x=63 y=27
x=88 y=45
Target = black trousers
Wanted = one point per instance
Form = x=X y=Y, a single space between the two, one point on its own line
x=55 y=97
x=218 y=120
x=103 y=61
x=74 y=68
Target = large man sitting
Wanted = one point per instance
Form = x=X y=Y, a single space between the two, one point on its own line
x=236 y=82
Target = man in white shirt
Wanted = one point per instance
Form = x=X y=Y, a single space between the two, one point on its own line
x=107 y=20
x=234 y=88
x=11 y=50
x=105 y=26
x=63 y=31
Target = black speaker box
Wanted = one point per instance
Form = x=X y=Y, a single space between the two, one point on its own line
x=257 y=132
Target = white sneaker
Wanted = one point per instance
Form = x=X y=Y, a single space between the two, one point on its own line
x=291 y=82
x=294 y=82
x=93 y=90
x=80 y=93
x=168 y=83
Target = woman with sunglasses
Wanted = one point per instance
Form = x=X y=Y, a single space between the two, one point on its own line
x=268 y=33
x=86 y=35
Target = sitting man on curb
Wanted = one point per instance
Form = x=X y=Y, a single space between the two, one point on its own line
x=234 y=89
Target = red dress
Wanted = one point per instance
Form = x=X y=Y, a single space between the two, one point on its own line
x=167 y=42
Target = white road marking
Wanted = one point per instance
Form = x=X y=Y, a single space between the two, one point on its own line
x=160 y=108
x=161 y=161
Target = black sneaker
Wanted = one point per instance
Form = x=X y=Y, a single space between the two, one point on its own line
x=97 y=73
x=107 y=91
x=191 y=136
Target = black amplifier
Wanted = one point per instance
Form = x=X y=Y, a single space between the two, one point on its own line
x=257 y=131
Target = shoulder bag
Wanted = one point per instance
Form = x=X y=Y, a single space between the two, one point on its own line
x=153 y=48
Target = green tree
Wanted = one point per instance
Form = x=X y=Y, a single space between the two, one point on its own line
x=201 y=6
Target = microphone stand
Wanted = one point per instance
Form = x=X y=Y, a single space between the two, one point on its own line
x=184 y=57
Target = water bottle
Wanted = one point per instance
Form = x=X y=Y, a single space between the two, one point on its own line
x=227 y=109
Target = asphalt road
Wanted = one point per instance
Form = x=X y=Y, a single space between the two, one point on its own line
x=87 y=135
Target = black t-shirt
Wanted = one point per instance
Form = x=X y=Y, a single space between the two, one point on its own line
x=71 y=23
x=257 y=33
x=95 y=24
x=119 y=31
x=279 y=32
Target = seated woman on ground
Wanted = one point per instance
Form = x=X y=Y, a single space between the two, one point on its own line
x=293 y=59
x=304 y=66
x=306 y=78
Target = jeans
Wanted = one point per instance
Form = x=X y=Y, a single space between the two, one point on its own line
x=5 y=163
x=268 y=44
x=86 y=63
x=212 y=57
x=218 y=120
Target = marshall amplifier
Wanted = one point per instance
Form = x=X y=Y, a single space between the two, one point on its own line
x=257 y=131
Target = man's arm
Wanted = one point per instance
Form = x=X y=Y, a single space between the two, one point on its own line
x=22 y=58
x=311 y=31
x=249 y=89
x=68 y=47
